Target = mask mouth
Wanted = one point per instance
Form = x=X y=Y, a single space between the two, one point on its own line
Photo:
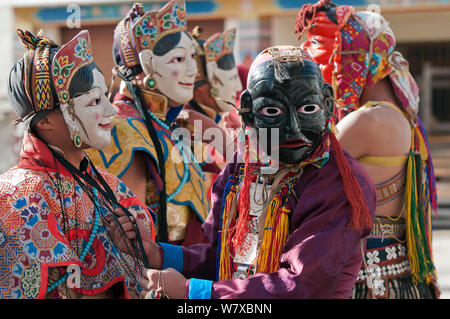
x=188 y=84
x=295 y=144
x=105 y=125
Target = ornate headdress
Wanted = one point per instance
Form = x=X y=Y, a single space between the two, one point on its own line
x=211 y=49
x=361 y=52
x=124 y=38
x=36 y=73
x=141 y=30
x=68 y=60
x=219 y=44
x=154 y=25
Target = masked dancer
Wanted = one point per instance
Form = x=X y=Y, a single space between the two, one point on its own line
x=294 y=232
x=154 y=57
x=378 y=99
x=55 y=206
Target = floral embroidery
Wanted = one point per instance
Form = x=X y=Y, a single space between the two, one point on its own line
x=179 y=15
x=372 y=257
x=148 y=28
x=401 y=250
x=374 y=280
x=391 y=253
x=378 y=287
x=61 y=70
x=83 y=49
x=166 y=22
x=38 y=242
x=31 y=281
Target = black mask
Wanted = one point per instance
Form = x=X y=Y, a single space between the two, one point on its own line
x=299 y=105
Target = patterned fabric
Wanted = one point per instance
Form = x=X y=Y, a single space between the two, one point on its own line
x=219 y=44
x=385 y=272
x=38 y=241
x=129 y=135
x=391 y=189
x=364 y=53
x=123 y=36
x=365 y=49
x=37 y=70
x=68 y=60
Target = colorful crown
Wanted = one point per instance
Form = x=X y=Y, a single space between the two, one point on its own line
x=37 y=70
x=68 y=60
x=154 y=25
x=219 y=45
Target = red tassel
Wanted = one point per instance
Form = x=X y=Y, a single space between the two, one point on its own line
x=360 y=217
x=242 y=227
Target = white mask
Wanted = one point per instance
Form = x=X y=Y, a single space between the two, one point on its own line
x=226 y=83
x=174 y=72
x=92 y=113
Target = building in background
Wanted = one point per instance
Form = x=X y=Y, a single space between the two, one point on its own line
x=422 y=29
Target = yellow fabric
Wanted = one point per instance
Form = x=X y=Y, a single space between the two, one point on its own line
x=129 y=134
x=384 y=160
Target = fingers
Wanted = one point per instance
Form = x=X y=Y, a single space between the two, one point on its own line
x=149 y=281
x=120 y=212
x=127 y=228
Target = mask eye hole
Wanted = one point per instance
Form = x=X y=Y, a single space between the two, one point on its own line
x=270 y=111
x=94 y=102
x=309 y=109
x=178 y=59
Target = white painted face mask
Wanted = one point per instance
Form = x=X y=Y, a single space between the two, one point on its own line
x=89 y=115
x=174 y=72
x=225 y=83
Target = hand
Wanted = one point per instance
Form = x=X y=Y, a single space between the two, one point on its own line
x=169 y=281
x=125 y=243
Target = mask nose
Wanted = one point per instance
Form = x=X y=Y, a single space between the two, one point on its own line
x=109 y=110
x=191 y=66
x=293 y=123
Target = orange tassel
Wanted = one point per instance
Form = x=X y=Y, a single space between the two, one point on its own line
x=360 y=217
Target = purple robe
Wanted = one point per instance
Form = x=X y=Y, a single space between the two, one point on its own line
x=322 y=256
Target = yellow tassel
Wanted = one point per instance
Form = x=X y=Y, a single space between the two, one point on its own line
x=276 y=232
x=410 y=240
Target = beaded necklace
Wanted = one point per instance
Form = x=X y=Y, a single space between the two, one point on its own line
x=87 y=247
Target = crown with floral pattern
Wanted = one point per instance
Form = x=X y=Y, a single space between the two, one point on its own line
x=154 y=25
x=68 y=60
x=219 y=44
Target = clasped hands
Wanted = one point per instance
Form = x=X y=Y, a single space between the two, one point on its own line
x=156 y=283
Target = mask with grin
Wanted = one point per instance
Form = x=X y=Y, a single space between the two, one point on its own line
x=286 y=92
x=82 y=90
x=153 y=50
